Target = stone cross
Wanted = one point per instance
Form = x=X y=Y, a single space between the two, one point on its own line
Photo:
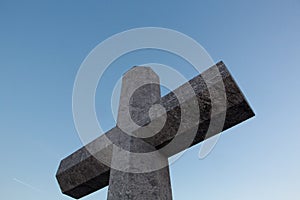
x=132 y=158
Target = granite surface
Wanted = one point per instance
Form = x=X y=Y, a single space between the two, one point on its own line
x=140 y=90
x=86 y=171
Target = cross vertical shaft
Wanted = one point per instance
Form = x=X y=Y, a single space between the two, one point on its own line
x=140 y=90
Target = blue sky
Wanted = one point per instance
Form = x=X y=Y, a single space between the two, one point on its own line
x=43 y=43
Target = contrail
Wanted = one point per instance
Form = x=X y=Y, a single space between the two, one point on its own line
x=27 y=185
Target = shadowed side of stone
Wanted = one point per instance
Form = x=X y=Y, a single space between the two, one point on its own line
x=82 y=173
x=235 y=111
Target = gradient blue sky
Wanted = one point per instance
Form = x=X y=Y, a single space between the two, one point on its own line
x=43 y=43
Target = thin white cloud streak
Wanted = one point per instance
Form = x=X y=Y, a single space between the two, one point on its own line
x=27 y=185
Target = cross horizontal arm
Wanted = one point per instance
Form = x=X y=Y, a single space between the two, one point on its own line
x=82 y=173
